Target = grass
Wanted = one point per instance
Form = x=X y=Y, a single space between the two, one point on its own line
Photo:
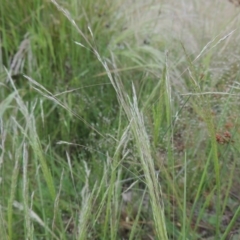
x=118 y=120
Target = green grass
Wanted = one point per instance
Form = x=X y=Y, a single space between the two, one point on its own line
x=118 y=120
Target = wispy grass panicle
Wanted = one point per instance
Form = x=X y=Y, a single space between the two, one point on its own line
x=119 y=120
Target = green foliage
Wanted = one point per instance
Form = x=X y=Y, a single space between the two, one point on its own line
x=109 y=130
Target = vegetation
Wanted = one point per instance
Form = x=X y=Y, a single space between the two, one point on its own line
x=118 y=120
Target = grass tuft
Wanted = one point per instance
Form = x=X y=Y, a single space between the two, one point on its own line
x=119 y=120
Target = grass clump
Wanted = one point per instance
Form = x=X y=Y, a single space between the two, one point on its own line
x=110 y=130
